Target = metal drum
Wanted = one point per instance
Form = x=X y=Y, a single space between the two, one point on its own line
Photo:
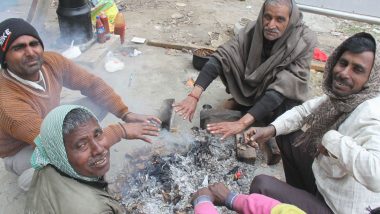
x=74 y=17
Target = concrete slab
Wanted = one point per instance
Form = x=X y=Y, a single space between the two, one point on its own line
x=12 y=198
x=317 y=23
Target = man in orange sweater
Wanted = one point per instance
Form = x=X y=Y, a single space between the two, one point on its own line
x=31 y=81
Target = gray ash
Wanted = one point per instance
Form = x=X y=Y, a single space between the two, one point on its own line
x=163 y=183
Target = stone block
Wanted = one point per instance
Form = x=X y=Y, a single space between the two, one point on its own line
x=210 y=115
x=244 y=152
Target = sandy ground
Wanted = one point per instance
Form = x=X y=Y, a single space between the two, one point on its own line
x=157 y=73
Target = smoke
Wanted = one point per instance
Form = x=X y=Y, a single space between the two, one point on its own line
x=176 y=142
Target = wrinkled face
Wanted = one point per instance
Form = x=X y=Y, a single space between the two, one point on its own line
x=24 y=57
x=86 y=150
x=275 y=21
x=351 y=72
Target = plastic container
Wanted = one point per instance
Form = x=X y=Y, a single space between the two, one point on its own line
x=105 y=22
x=74 y=18
x=100 y=31
x=120 y=26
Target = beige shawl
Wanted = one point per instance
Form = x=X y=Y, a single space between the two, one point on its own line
x=286 y=70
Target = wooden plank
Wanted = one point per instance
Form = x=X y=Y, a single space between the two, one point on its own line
x=177 y=46
x=315 y=65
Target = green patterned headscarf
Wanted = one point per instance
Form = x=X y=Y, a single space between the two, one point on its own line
x=50 y=148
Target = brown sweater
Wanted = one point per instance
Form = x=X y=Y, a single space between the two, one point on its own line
x=23 y=108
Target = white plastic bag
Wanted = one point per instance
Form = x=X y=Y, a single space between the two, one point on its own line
x=112 y=63
x=72 y=52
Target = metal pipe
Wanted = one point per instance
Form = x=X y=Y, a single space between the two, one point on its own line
x=339 y=14
x=32 y=11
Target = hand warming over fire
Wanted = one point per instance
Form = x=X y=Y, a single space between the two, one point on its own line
x=204 y=192
x=136 y=118
x=231 y=128
x=216 y=193
x=140 y=131
x=259 y=134
x=219 y=192
x=186 y=107
x=227 y=129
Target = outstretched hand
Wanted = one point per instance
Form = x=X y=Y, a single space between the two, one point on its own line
x=226 y=129
x=202 y=191
x=186 y=107
x=140 y=118
x=217 y=192
x=141 y=131
x=220 y=193
x=259 y=134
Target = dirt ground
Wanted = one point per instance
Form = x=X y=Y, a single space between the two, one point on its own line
x=158 y=73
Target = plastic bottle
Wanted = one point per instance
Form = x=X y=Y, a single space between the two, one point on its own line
x=100 y=32
x=105 y=22
x=120 y=26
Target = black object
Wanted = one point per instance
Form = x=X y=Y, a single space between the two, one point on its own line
x=74 y=18
x=201 y=57
x=374 y=211
x=203 y=115
x=166 y=113
x=210 y=115
x=233 y=170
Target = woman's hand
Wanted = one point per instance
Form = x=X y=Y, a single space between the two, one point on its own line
x=141 y=131
x=140 y=118
x=202 y=191
x=220 y=193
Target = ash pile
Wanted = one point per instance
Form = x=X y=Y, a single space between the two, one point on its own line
x=162 y=182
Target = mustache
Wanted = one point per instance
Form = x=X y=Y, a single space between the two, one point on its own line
x=32 y=59
x=342 y=81
x=272 y=30
x=97 y=158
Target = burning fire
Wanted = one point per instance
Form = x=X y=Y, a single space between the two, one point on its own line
x=163 y=183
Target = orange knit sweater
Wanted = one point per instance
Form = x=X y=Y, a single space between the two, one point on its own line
x=23 y=108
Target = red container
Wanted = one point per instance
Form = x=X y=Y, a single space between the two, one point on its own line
x=105 y=22
x=120 y=26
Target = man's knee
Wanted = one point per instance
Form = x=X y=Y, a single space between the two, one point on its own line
x=20 y=161
x=8 y=165
x=260 y=184
x=272 y=151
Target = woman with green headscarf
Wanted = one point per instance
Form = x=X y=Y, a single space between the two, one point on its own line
x=71 y=158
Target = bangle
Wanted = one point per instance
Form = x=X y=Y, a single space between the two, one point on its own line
x=230 y=200
x=124 y=130
x=201 y=199
x=193 y=96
